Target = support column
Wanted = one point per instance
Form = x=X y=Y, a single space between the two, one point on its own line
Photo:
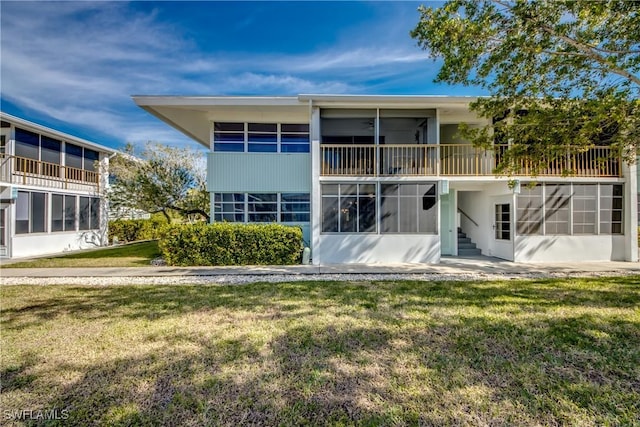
x=630 y=214
x=316 y=198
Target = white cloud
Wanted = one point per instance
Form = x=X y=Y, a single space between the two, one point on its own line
x=80 y=62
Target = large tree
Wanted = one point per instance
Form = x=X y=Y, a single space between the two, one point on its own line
x=159 y=179
x=562 y=75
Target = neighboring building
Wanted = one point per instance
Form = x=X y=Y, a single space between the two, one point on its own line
x=386 y=179
x=51 y=187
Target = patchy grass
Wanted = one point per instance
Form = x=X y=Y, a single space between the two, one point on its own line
x=128 y=255
x=538 y=352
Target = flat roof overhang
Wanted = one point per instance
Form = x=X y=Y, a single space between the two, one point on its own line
x=192 y=115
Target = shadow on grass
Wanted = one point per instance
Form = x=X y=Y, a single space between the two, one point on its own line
x=411 y=353
x=130 y=254
x=157 y=301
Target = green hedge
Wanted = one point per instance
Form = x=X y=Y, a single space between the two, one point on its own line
x=231 y=244
x=131 y=230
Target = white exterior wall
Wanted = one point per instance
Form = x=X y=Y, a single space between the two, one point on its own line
x=28 y=245
x=376 y=248
x=569 y=248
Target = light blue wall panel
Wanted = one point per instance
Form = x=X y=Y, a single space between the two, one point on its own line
x=258 y=172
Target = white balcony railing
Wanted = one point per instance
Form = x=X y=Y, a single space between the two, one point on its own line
x=453 y=160
x=25 y=171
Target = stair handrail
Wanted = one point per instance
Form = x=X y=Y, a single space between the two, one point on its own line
x=468 y=217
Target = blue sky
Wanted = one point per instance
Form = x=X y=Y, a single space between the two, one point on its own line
x=73 y=66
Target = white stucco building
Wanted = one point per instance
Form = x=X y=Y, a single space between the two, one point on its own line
x=51 y=187
x=384 y=179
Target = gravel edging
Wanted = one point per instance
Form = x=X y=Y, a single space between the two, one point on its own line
x=231 y=279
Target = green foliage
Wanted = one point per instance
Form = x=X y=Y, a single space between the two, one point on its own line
x=159 y=179
x=231 y=244
x=574 y=67
x=131 y=230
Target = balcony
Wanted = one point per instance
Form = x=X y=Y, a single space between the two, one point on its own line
x=25 y=171
x=452 y=160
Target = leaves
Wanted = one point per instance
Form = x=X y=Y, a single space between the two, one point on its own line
x=161 y=178
x=573 y=66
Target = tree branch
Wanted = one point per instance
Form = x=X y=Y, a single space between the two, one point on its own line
x=589 y=52
x=191 y=211
x=587 y=49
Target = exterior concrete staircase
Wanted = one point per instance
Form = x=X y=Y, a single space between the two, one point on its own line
x=465 y=246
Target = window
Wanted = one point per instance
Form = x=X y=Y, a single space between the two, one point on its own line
x=73 y=161
x=89 y=218
x=94 y=218
x=529 y=210
x=90 y=159
x=85 y=210
x=502 y=221
x=294 y=207
x=3 y=144
x=408 y=208
x=228 y=137
x=262 y=207
x=38 y=212
x=22 y=212
x=611 y=209
x=294 y=138
x=31 y=212
x=580 y=202
x=50 y=152
x=260 y=137
x=228 y=207
x=57 y=212
x=556 y=208
x=584 y=208
x=27 y=149
x=263 y=138
x=349 y=208
x=27 y=144
x=69 y=213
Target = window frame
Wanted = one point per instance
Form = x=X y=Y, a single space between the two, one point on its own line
x=30 y=221
x=345 y=201
x=295 y=207
x=502 y=225
x=243 y=216
x=247 y=140
x=400 y=195
x=254 y=201
x=613 y=226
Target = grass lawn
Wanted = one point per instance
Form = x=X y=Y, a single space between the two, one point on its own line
x=129 y=255
x=538 y=352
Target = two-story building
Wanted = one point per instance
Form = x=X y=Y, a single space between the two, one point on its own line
x=386 y=179
x=51 y=190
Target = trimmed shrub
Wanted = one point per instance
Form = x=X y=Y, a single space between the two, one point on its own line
x=231 y=244
x=131 y=230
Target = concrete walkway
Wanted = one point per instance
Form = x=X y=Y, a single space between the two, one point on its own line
x=448 y=266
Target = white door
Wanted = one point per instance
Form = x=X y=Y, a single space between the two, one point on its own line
x=502 y=227
x=447 y=224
